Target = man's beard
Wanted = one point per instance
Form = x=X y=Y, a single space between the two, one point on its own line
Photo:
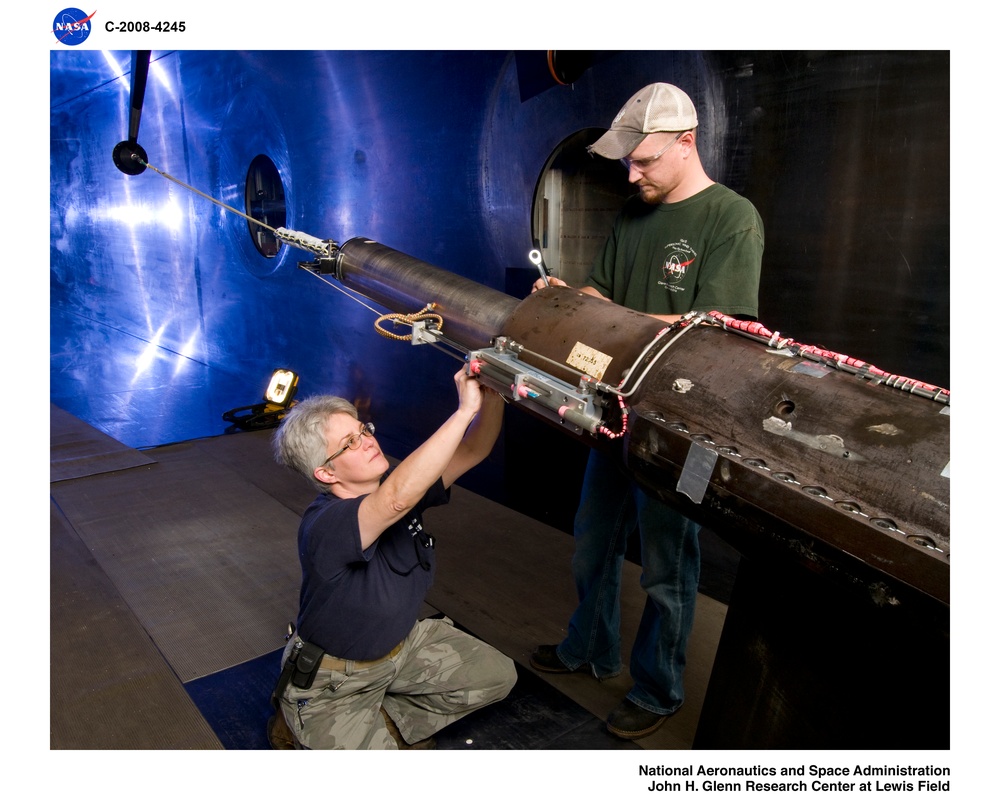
x=651 y=194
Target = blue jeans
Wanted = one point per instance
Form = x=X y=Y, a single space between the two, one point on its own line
x=611 y=506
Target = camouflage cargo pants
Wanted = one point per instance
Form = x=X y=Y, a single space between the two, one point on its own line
x=440 y=675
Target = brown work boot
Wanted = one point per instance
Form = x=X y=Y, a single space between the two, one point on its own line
x=629 y=721
x=401 y=743
x=279 y=734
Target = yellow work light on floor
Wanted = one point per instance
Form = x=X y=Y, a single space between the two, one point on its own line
x=281 y=389
x=278 y=398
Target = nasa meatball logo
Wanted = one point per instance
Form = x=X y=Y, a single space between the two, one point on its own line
x=72 y=26
x=680 y=256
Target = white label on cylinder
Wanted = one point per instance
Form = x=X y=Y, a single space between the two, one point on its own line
x=586 y=359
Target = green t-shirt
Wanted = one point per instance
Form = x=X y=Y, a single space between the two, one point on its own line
x=699 y=254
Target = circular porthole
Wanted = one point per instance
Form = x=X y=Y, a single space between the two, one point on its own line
x=577 y=198
x=265 y=202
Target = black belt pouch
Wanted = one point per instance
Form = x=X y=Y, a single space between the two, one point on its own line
x=307 y=665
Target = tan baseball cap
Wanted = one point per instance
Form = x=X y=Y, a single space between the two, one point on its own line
x=657 y=108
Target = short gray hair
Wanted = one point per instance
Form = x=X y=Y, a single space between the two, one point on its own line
x=300 y=440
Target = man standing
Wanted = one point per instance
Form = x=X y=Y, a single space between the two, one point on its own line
x=684 y=243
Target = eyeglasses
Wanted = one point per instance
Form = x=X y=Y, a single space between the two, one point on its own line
x=354 y=441
x=642 y=164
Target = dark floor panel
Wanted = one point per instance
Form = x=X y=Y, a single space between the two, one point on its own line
x=76 y=449
x=236 y=701
x=109 y=687
x=534 y=716
x=592 y=735
x=249 y=453
x=204 y=559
